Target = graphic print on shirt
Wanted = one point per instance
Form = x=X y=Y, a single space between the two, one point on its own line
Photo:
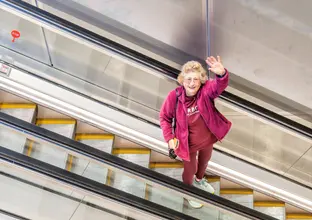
x=199 y=135
x=192 y=110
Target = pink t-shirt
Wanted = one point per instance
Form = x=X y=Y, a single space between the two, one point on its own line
x=199 y=134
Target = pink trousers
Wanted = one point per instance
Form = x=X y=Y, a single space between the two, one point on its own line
x=196 y=166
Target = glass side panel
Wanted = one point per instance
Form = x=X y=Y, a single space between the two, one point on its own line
x=47 y=195
x=58 y=155
x=114 y=80
x=117 y=26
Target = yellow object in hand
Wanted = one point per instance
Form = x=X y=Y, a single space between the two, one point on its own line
x=176 y=143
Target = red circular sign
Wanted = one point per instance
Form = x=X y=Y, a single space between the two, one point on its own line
x=15 y=34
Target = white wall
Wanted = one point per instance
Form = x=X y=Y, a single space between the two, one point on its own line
x=268 y=43
x=178 y=23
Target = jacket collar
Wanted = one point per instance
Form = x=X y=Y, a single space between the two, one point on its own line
x=181 y=93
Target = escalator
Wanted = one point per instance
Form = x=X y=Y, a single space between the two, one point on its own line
x=138 y=114
x=92 y=184
x=34 y=143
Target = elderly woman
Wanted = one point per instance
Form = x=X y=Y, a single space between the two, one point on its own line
x=198 y=123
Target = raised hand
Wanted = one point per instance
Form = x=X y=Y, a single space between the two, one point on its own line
x=215 y=65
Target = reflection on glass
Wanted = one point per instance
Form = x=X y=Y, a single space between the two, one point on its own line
x=100 y=172
x=48 y=195
x=261 y=143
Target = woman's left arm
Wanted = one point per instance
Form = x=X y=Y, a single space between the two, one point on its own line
x=215 y=87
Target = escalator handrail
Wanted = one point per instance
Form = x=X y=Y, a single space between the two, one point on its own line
x=14 y=216
x=153 y=64
x=89 y=185
x=126 y=166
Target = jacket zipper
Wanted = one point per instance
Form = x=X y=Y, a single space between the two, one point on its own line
x=206 y=122
x=187 y=131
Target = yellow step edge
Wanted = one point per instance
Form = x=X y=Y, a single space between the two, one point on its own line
x=298 y=216
x=17 y=105
x=80 y=137
x=166 y=165
x=55 y=121
x=237 y=191
x=212 y=179
x=269 y=204
x=131 y=151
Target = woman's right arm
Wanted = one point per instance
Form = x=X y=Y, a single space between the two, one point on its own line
x=166 y=116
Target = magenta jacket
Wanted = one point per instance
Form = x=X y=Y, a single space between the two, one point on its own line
x=214 y=120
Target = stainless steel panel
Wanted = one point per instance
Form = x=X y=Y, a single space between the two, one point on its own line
x=178 y=22
x=242 y=132
x=303 y=167
x=298 y=175
x=115 y=76
x=31 y=42
x=133 y=23
x=288 y=110
x=132 y=86
x=274 y=143
x=82 y=86
x=262 y=144
x=77 y=59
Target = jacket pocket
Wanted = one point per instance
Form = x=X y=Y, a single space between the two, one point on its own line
x=220 y=114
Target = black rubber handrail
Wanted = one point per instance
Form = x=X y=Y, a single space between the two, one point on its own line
x=92 y=186
x=128 y=167
x=156 y=65
x=4 y=212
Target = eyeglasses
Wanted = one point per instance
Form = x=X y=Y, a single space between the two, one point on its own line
x=189 y=80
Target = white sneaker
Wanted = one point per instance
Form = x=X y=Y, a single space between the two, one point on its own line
x=194 y=204
x=204 y=185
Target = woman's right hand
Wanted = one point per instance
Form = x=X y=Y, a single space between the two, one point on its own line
x=173 y=144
